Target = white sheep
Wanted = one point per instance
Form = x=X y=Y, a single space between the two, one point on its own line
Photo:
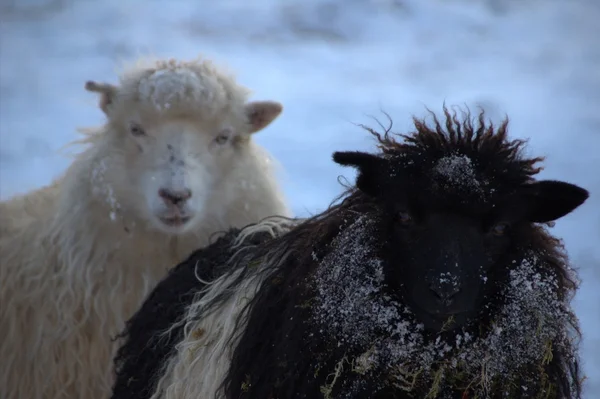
x=173 y=164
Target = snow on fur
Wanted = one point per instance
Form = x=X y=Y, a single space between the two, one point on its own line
x=172 y=86
x=457 y=171
x=352 y=308
x=80 y=255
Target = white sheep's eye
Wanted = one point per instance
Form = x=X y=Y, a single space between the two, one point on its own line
x=222 y=139
x=136 y=130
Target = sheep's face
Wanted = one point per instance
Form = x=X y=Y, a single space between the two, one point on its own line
x=173 y=167
x=446 y=243
x=441 y=262
x=177 y=143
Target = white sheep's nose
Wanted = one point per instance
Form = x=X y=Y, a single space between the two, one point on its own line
x=175 y=197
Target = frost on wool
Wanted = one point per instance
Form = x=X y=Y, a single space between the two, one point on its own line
x=164 y=87
x=180 y=88
x=457 y=173
x=103 y=189
x=353 y=309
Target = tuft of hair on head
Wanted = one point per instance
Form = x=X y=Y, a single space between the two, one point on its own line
x=107 y=93
x=487 y=145
x=261 y=113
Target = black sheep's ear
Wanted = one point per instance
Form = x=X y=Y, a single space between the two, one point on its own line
x=371 y=169
x=548 y=200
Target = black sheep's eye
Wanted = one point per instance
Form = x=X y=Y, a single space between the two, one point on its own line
x=136 y=130
x=500 y=229
x=404 y=219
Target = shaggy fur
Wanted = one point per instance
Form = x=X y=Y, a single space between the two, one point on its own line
x=308 y=313
x=152 y=333
x=80 y=255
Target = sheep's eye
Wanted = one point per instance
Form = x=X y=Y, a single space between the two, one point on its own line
x=500 y=229
x=221 y=139
x=136 y=129
x=404 y=218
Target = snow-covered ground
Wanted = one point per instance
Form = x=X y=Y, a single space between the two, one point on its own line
x=332 y=63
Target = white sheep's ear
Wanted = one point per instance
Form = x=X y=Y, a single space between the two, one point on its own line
x=262 y=113
x=107 y=93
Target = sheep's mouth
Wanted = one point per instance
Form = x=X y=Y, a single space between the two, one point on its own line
x=449 y=317
x=175 y=221
x=440 y=319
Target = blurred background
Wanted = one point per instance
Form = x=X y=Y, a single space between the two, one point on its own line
x=333 y=64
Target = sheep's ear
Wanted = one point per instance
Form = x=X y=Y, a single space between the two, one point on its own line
x=107 y=93
x=548 y=200
x=371 y=170
x=262 y=113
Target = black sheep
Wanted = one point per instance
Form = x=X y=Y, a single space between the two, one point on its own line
x=434 y=277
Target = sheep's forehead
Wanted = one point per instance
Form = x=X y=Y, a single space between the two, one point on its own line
x=184 y=88
x=457 y=172
x=449 y=180
x=181 y=88
x=164 y=87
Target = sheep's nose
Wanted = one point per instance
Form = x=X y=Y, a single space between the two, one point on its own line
x=445 y=293
x=174 y=197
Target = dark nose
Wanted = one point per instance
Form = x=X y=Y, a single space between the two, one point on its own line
x=174 y=197
x=445 y=293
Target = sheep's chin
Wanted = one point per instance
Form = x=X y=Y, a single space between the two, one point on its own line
x=174 y=225
x=443 y=322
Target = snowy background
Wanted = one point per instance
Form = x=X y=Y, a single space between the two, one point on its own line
x=332 y=63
